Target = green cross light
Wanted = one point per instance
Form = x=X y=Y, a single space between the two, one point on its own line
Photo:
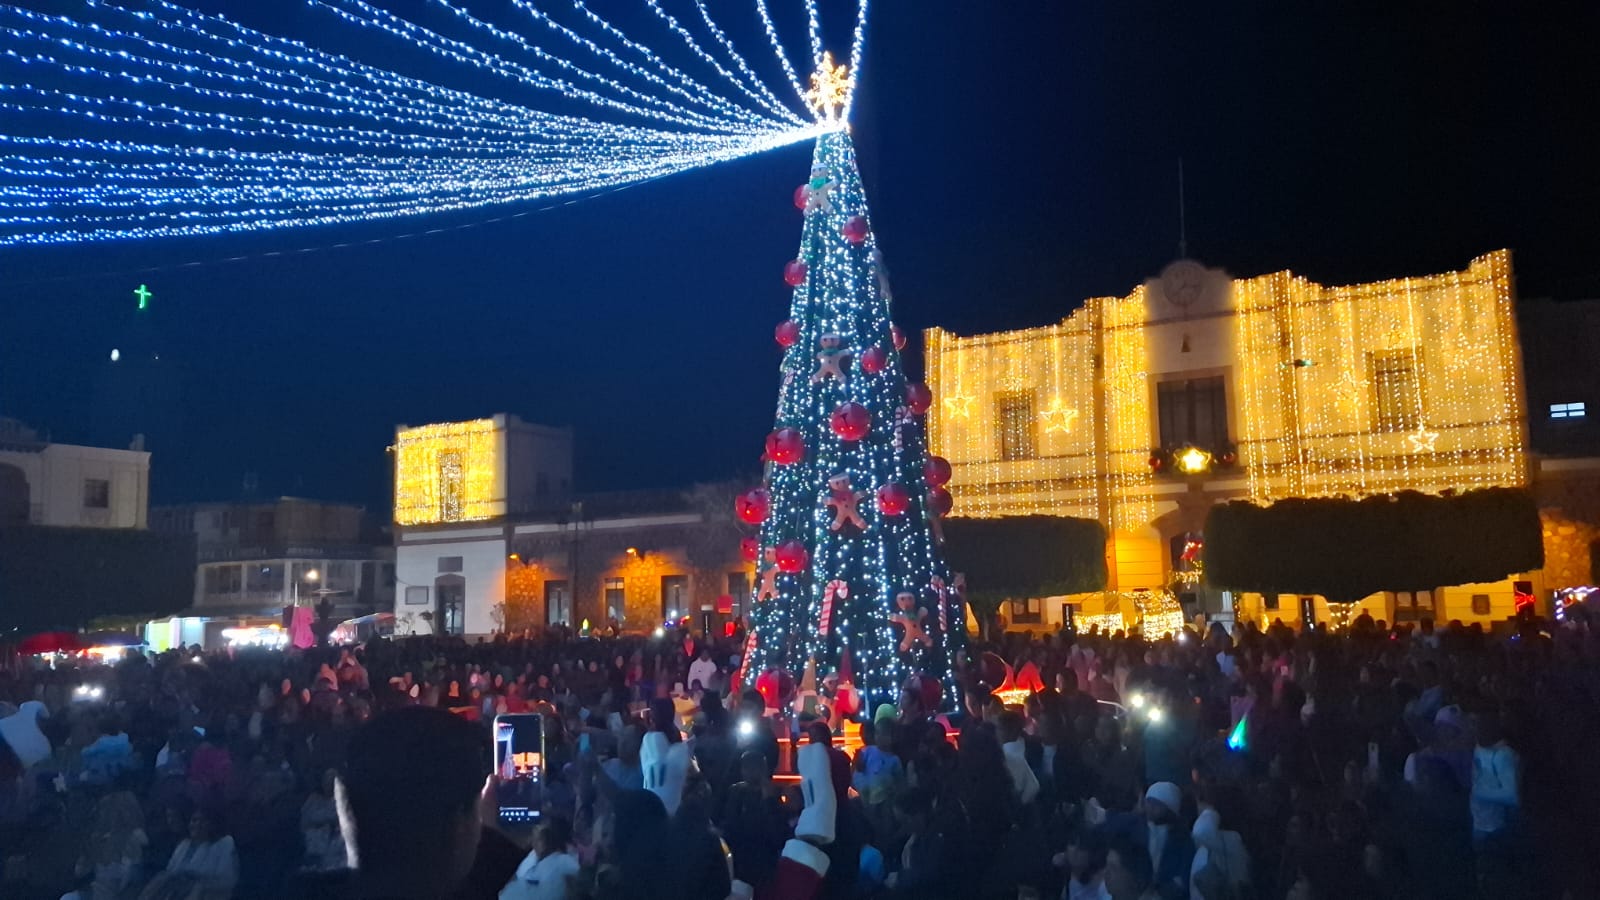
x=143 y=293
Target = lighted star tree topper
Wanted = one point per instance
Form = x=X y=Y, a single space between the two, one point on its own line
x=848 y=554
x=145 y=118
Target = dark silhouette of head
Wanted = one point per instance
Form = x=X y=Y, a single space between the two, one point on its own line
x=408 y=798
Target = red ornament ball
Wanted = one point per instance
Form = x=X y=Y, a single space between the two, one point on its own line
x=794 y=273
x=936 y=471
x=750 y=549
x=791 y=556
x=918 y=397
x=893 y=499
x=801 y=194
x=851 y=421
x=785 y=446
x=787 y=333
x=854 y=229
x=874 y=360
x=751 y=506
x=940 y=502
x=1157 y=461
x=898 y=336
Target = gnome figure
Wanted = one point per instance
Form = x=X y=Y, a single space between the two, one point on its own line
x=804 y=864
x=666 y=768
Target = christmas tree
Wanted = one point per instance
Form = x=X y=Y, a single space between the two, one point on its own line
x=848 y=556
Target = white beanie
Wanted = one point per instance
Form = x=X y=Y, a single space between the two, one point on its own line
x=1167 y=794
x=21 y=732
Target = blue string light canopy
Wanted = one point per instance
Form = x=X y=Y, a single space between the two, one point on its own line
x=147 y=118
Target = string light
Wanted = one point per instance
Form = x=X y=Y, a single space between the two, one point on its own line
x=1408 y=384
x=186 y=123
x=448 y=472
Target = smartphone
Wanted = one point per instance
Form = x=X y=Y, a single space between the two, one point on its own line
x=519 y=767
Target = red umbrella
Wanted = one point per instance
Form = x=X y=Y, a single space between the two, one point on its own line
x=50 y=642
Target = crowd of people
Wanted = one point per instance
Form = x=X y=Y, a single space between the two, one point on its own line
x=1379 y=762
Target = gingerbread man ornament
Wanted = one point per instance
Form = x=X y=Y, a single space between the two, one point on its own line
x=843 y=501
x=910 y=618
x=769 y=576
x=832 y=360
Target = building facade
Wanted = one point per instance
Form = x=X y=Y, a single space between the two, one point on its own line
x=478 y=470
x=255 y=558
x=1145 y=410
x=70 y=486
x=488 y=537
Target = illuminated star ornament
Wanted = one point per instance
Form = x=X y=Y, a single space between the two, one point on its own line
x=959 y=406
x=1422 y=441
x=157 y=119
x=1058 y=420
x=830 y=90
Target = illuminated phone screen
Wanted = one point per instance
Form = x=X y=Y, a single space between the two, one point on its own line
x=519 y=767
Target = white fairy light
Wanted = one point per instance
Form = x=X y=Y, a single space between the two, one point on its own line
x=175 y=122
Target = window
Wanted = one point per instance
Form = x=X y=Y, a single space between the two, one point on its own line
x=1193 y=411
x=1480 y=604
x=1027 y=612
x=451 y=615
x=96 y=493
x=449 y=563
x=222 y=580
x=1566 y=410
x=1396 y=391
x=674 y=596
x=738 y=589
x=1308 y=612
x=1269 y=601
x=557 y=603
x=616 y=600
x=1413 y=606
x=452 y=486
x=416 y=595
x=263 y=579
x=1014 y=424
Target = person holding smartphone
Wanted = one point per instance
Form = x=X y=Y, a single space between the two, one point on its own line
x=412 y=794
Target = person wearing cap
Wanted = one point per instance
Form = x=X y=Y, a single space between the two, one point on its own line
x=1157 y=830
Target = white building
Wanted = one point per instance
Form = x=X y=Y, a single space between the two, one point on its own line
x=452 y=475
x=65 y=485
x=255 y=558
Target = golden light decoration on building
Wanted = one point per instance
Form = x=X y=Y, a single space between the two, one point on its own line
x=1414 y=386
x=1160 y=613
x=1193 y=461
x=1056 y=419
x=1107 y=623
x=448 y=472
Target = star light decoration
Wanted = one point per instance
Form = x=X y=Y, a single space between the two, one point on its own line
x=959 y=406
x=830 y=90
x=1422 y=441
x=1058 y=420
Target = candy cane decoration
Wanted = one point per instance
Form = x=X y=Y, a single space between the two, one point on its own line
x=744 y=660
x=939 y=588
x=834 y=588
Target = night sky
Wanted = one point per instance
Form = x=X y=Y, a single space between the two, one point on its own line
x=1019 y=155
